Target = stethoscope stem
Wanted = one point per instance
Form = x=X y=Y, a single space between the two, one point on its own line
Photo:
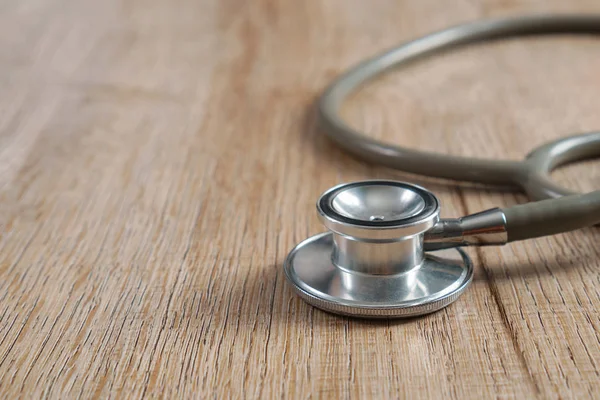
x=525 y=221
x=485 y=228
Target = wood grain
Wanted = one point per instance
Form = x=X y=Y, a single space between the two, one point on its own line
x=158 y=159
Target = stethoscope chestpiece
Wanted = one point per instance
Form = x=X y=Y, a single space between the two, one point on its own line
x=371 y=263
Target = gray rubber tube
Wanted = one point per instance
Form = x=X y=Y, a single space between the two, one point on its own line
x=523 y=221
x=549 y=217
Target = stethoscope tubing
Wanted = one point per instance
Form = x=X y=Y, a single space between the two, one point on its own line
x=563 y=212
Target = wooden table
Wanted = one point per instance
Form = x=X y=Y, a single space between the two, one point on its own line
x=158 y=159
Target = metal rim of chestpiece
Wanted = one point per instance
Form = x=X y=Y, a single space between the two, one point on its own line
x=387 y=253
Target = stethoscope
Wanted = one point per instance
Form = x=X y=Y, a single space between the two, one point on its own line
x=387 y=253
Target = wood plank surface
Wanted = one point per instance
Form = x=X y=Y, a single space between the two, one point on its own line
x=158 y=159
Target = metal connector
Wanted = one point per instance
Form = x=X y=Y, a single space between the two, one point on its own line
x=480 y=229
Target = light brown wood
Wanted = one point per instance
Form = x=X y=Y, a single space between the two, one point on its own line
x=158 y=159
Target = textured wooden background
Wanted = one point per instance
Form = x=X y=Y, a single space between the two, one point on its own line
x=158 y=159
